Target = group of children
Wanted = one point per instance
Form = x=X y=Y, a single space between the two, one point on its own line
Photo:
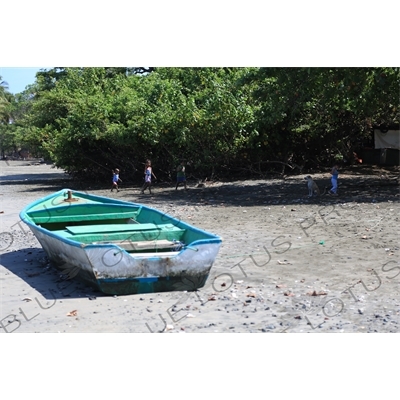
x=181 y=177
x=148 y=174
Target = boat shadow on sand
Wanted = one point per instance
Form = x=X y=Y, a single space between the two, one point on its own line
x=32 y=266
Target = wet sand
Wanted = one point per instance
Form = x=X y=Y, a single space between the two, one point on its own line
x=288 y=263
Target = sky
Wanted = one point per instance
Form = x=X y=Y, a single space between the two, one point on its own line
x=18 y=78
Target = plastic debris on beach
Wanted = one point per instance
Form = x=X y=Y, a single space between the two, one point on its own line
x=73 y=313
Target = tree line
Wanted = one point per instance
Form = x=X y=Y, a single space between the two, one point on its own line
x=222 y=121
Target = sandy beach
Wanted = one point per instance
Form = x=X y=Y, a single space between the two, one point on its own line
x=288 y=263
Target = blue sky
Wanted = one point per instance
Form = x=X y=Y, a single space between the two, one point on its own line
x=19 y=78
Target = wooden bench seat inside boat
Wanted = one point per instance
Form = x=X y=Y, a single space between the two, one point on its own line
x=130 y=245
x=110 y=228
x=46 y=219
x=121 y=232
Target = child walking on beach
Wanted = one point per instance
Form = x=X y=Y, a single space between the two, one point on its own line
x=180 y=175
x=148 y=173
x=115 y=179
x=334 y=179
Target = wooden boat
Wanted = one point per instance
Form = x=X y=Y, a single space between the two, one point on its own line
x=120 y=247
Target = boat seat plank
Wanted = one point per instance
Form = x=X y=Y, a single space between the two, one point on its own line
x=85 y=217
x=129 y=236
x=141 y=245
x=114 y=228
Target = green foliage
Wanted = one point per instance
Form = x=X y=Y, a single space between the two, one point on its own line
x=312 y=114
x=221 y=120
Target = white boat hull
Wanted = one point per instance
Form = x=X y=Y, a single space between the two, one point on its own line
x=115 y=271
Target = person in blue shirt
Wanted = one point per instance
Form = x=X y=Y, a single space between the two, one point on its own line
x=115 y=180
x=334 y=179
